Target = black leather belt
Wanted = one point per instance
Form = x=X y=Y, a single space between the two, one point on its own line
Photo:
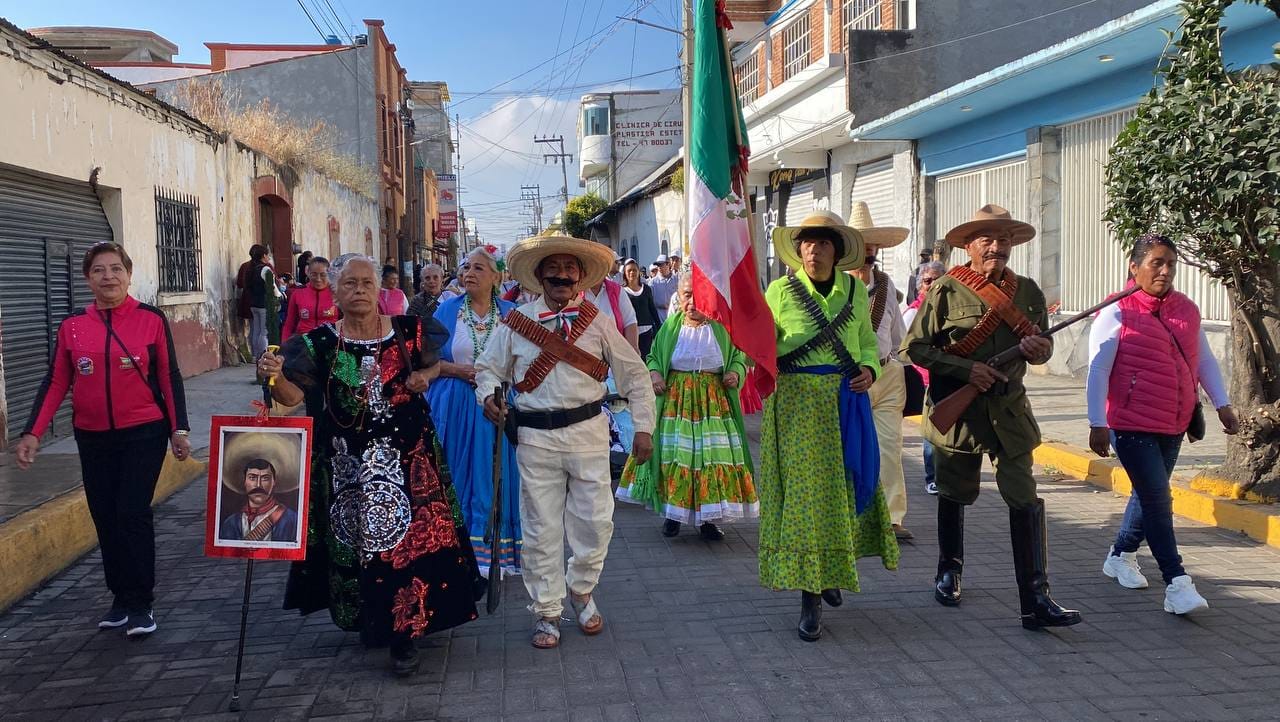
x=547 y=420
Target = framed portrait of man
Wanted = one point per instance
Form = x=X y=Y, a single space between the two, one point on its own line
x=257 y=495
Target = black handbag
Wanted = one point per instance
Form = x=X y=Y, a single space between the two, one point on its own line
x=1196 y=429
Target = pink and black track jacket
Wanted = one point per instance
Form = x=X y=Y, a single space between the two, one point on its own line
x=120 y=366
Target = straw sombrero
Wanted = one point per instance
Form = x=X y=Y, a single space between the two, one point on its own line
x=873 y=235
x=524 y=257
x=282 y=450
x=991 y=217
x=785 y=246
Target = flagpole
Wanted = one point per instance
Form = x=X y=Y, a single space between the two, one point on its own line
x=686 y=103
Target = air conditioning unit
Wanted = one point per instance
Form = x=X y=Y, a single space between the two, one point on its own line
x=362 y=39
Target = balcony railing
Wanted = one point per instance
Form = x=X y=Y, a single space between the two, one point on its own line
x=860 y=15
x=748 y=78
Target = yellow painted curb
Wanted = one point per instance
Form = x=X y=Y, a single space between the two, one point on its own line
x=1197 y=504
x=41 y=542
x=1211 y=501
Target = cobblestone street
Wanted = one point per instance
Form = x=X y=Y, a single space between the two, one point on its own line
x=689 y=635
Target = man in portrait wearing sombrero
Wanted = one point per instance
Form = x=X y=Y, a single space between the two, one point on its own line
x=968 y=316
x=889 y=392
x=556 y=351
x=821 y=506
x=257 y=467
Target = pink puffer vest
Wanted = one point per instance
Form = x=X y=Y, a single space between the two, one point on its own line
x=1152 y=388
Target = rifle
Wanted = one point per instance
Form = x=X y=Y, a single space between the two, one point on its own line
x=947 y=412
x=494 y=589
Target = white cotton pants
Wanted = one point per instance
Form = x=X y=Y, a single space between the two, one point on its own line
x=563 y=494
x=888 y=397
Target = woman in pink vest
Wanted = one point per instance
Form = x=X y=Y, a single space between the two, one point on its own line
x=1148 y=355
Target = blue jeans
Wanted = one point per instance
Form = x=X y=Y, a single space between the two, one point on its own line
x=928 y=462
x=1149 y=459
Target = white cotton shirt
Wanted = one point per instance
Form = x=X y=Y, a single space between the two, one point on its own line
x=508 y=355
x=892 y=329
x=601 y=301
x=1104 y=341
x=696 y=350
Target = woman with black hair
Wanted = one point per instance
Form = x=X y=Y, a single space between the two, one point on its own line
x=1148 y=356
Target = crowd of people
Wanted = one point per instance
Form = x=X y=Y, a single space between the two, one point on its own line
x=519 y=365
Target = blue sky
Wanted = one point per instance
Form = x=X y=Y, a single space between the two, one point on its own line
x=473 y=45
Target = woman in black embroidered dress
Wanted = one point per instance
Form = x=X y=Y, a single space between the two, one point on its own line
x=387 y=551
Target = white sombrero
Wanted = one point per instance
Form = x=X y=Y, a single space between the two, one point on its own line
x=873 y=235
x=524 y=257
x=282 y=451
x=785 y=246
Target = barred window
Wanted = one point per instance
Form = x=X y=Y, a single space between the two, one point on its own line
x=178 y=241
x=748 y=75
x=860 y=15
x=795 y=47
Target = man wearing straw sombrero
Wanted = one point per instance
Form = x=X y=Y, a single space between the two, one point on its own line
x=557 y=351
x=821 y=506
x=258 y=466
x=968 y=316
x=889 y=392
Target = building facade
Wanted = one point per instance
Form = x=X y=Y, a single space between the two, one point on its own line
x=85 y=158
x=624 y=137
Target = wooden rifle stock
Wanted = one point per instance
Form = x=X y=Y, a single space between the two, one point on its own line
x=946 y=413
x=493 y=588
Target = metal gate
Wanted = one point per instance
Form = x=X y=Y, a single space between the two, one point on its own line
x=799 y=203
x=1094 y=264
x=873 y=185
x=45 y=228
x=1004 y=184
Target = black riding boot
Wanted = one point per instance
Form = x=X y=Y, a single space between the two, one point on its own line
x=1030 y=563
x=832 y=597
x=946 y=588
x=810 y=616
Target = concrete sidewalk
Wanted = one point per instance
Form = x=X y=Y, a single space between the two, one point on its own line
x=44 y=520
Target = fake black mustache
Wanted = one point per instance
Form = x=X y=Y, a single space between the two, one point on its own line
x=559 y=282
x=991 y=256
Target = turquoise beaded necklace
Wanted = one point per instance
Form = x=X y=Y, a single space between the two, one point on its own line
x=476 y=325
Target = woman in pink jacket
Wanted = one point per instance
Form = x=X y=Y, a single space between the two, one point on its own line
x=1148 y=355
x=312 y=305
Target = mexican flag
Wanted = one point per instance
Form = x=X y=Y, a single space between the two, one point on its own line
x=725 y=285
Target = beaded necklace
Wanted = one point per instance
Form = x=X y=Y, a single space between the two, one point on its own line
x=347 y=371
x=477 y=325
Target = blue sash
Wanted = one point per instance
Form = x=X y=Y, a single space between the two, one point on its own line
x=857 y=438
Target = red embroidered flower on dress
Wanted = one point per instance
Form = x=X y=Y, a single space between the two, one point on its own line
x=409 y=608
x=431 y=530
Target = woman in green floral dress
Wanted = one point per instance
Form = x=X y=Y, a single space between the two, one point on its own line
x=821 y=507
x=700 y=471
x=387 y=551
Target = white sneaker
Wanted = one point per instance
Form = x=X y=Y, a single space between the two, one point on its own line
x=1124 y=569
x=1181 y=597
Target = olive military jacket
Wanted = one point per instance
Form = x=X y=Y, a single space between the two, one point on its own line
x=1001 y=419
x=793 y=326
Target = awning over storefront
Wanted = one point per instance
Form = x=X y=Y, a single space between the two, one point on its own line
x=1105 y=69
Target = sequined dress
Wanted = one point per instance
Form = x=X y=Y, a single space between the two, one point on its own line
x=386 y=544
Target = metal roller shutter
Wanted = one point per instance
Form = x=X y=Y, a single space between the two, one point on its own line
x=873 y=185
x=799 y=203
x=45 y=228
x=958 y=195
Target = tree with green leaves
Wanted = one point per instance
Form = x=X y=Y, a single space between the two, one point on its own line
x=1200 y=163
x=579 y=211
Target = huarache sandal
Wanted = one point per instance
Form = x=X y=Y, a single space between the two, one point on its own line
x=546 y=633
x=586 y=614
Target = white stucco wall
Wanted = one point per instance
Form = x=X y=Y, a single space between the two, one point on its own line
x=66 y=129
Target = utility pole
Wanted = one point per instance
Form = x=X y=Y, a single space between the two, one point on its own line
x=561 y=156
x=532 y=197
x=686 y=102
x=457 y=193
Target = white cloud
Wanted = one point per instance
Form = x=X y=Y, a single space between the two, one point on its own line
x=492 y=176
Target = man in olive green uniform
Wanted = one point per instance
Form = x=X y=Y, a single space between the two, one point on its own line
x=969 y=315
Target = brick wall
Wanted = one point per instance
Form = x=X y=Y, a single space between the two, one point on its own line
x=817 y=33
x=775 y=65
x=763 y=75
x=888 y=14
x=837 y=35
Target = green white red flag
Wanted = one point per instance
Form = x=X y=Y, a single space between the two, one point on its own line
x=725 y=284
